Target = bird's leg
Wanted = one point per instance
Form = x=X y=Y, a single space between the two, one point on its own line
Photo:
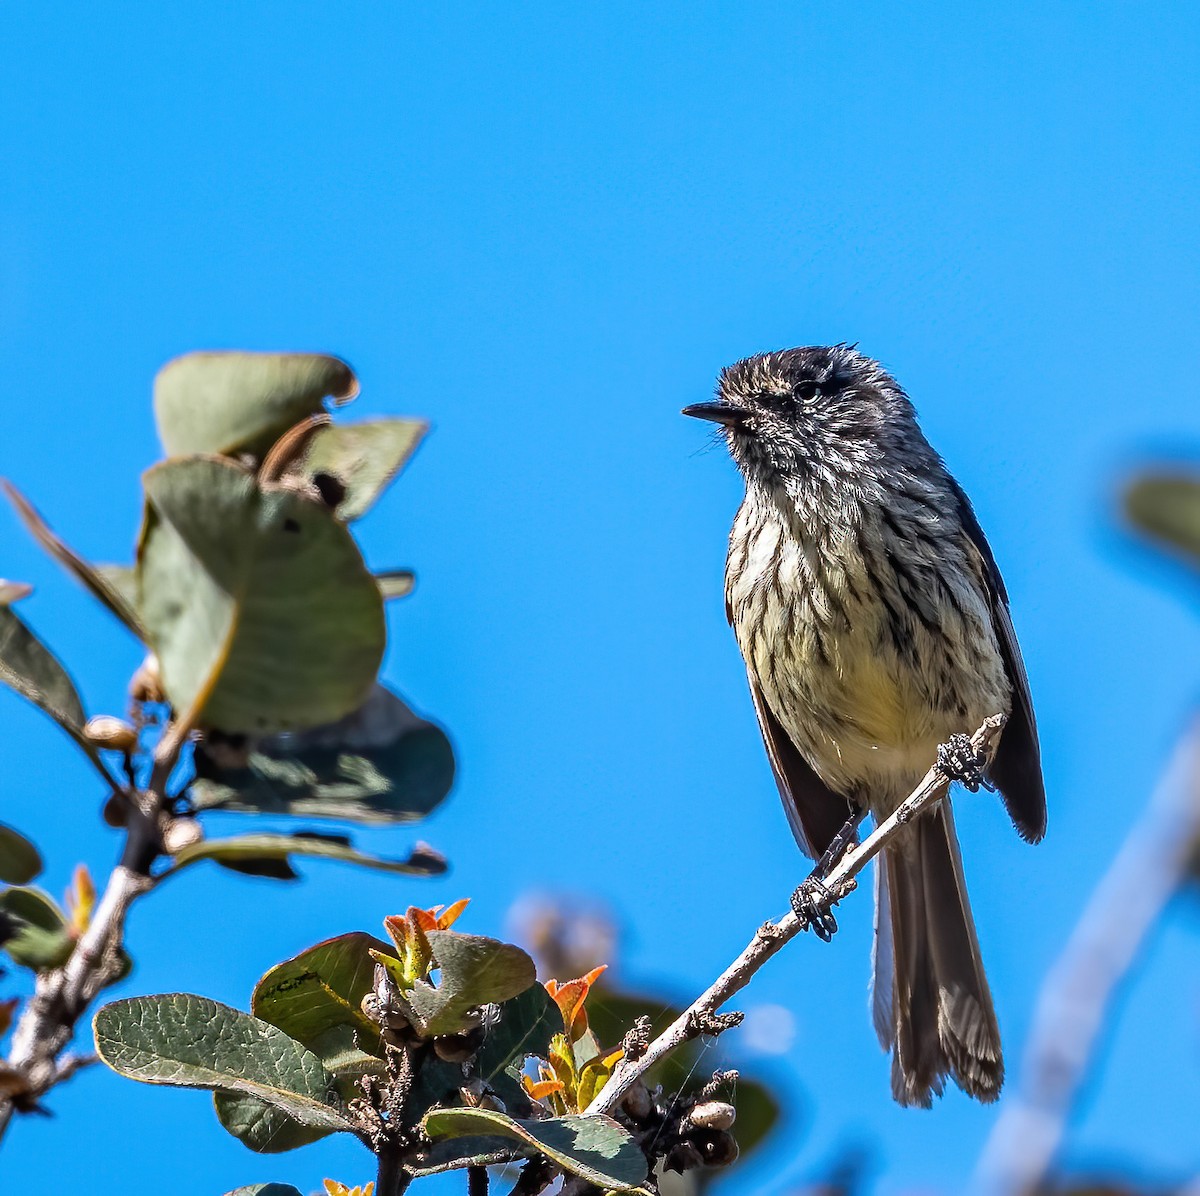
x=812 y=901
x=838 y=844
x=958 y=760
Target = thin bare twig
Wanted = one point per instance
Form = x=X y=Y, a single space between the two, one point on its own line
x=1079 y=989
x=770 y=938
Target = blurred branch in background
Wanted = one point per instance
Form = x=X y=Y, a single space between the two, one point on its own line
x=1078 y=993
x=1163 y=505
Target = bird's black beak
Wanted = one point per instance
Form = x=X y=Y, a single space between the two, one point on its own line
x=717 y=413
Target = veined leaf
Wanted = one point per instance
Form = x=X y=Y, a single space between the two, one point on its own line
x=595 y=1148
x=192 y=1042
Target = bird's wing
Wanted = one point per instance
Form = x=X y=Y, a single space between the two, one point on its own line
x=1017 y=766
x=814 y=811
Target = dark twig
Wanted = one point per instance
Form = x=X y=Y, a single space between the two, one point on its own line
x=477 y=1181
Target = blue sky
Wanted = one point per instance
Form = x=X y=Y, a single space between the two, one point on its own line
x=546 y=228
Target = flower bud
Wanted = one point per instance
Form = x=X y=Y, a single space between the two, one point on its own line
x=182 y=832
x=106 y=731
x=710 y=1115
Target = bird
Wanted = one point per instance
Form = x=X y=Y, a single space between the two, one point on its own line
x=875 y=628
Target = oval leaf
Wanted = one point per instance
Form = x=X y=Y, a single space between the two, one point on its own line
x=380 y=764
x=20 y=861
x=35 y=931
x=473 y=971
x=362 y=458
x=258 y=604
x=596 y=1149
x=315 y=998
x=29 y=667
x=422 y=862
x=260 y=1127
x=231 y=402
x=320 y=988
x=192 y=1042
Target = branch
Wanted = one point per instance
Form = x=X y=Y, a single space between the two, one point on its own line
x=61 y=997
x=1078 y=992
x=770 y=938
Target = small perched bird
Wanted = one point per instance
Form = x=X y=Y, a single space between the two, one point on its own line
x=875 y=627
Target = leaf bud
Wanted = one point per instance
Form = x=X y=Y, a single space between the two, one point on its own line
x=182 y=832
x=710 y=1115
x=107 y=731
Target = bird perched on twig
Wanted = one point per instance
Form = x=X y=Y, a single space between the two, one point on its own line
x=875 y=627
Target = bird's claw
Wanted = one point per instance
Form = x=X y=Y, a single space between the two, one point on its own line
x=811 y=903
x=958 y=760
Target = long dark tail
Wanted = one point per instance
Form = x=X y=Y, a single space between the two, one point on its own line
x=931 y=1000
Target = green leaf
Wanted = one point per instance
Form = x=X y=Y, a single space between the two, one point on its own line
x=524 y=1027
x=362 y=457
x=1167 y=507
x=320 y=988
x=231 y=402
x=29 y=667
x=596 y=1149
x=422 y=862
x=455 y=1153
x=311 y=997
x=259 y=607
x=474 y=971
x=265 y=866
x=396 y=583
x=381 y=764
x=265 y=1190
x=20 y=861
x=35 y=931
x=192 y=1042
x=261 y=1127
x=103 y=582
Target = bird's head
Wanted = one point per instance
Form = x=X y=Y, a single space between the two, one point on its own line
x=800 y=415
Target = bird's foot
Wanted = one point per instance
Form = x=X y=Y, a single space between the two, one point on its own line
x=812 y=903
x=958 y=760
